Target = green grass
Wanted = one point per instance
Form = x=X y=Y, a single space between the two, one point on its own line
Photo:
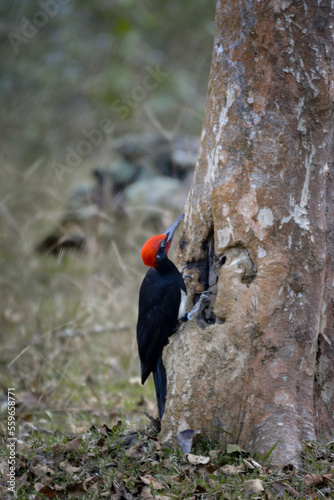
x=143 y=467
x=68 y=324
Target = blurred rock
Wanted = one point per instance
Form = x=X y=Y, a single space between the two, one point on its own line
x=158 y=155
x=104 y=194
x=185 y=151
x=151 y=172
x=84 y=208
x=121 y=174
x=56 y=242
x=157 y=191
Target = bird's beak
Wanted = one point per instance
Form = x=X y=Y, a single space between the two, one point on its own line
x=171 y=230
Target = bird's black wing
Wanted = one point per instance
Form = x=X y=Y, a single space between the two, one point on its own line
x=159 y=301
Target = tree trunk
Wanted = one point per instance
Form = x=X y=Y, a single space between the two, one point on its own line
x=258 y=361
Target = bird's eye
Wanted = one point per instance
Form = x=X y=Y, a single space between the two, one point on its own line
x=163 y=243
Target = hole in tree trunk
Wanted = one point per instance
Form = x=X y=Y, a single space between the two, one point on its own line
x=207 y=272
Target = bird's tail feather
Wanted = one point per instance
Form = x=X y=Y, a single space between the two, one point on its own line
x=160 y=382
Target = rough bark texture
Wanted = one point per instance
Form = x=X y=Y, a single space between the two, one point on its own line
x=259 y=360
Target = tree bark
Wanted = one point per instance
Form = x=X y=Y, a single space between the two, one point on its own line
x=259 y=233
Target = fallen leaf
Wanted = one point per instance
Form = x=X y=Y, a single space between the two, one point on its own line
x=234 y=448
x=213 y=484
x=130 y=439
x=279 y=490
x=327 y=479
x=312 y=494
x=89 y=481
x=41 y=470
x=150 y=480
x=254 y=462
x=37 y=459
x=67 y=467
x=58 y=487
x=77 y=489
x=282 y=487
x=146 y=494
x=136 y=451
x=230 y=470
x=214 y=454
x=144 y=468
x=105 y=430
x=121 y=494
x=157 y=445
x=145 y=479
x=74 y=444
x=200 y=489
x=3 y=491
x=208 y=469
x=94 y=429
x=47 y=480
x=253 y=486
x=197 y=459
x=316 y=479
x=38 y=486
x=174 y=478
x=47 y=491
x=185 y=439
x=155 y=422
x=248 y=464
x=58 y=450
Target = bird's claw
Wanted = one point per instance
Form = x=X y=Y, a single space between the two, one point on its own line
x=197 y=306
x=187 y=275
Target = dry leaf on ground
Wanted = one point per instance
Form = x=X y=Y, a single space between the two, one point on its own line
x=197 y=459
x=41 y=470
x=280 y=488
x=151 y=481
x=230 y=470
x=316 y=479
x=185 y=439
x=146 y=494
x=74 y=444
x=253 y=486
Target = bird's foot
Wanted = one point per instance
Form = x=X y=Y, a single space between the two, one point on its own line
x=187 y=275
x=204 y=296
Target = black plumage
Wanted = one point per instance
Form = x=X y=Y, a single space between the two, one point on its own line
x=161 y=303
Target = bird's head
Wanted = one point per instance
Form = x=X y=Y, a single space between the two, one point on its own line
x=155 y=249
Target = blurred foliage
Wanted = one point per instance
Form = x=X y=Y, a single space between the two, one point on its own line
x=67 y=67
x=65 y=62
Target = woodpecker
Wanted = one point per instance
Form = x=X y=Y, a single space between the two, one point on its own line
x=162 y=303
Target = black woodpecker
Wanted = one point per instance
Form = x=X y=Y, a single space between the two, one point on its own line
x=162 y=303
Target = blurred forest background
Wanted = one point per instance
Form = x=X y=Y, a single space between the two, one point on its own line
x=77 y=77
